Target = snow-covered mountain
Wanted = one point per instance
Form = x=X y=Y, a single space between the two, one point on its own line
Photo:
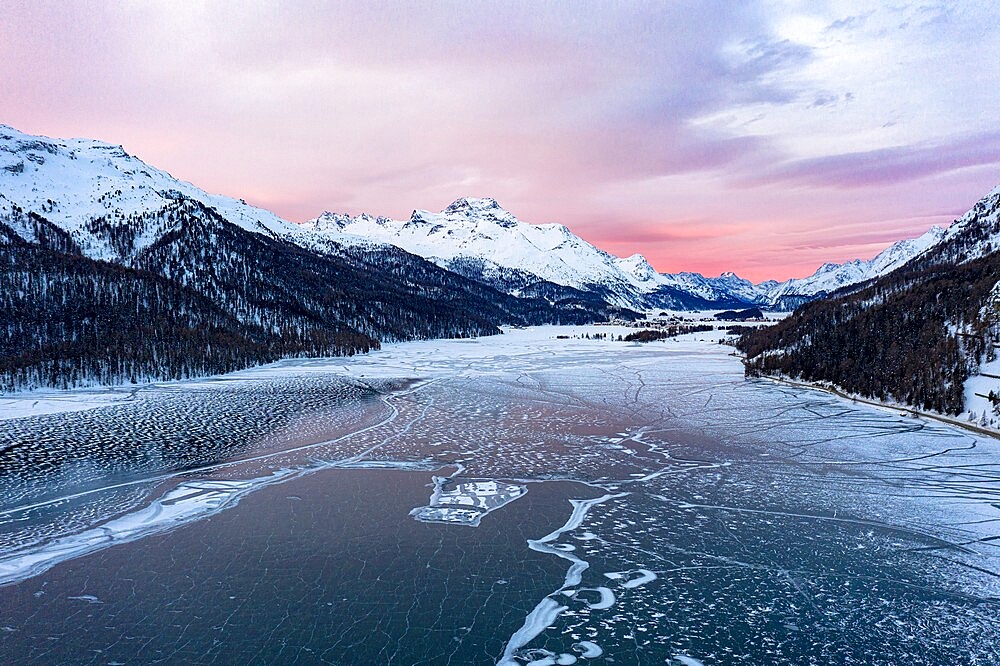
x=479 y=238
x=87 y=187
x=121 y=271
x=483 y=240
x=480 y=228
x=112 y=270
x=113 y=206
x=975 y=234
x=830 y=277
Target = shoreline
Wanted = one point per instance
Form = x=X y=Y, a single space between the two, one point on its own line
x=40 y=402
x=363 y=366
x=913 y=411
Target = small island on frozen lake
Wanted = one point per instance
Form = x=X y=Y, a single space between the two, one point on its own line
x=467 y=501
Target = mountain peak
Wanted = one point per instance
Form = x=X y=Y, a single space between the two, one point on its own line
x=638 y=267
x=330 y=220
x=486 y=209
x=470 y=204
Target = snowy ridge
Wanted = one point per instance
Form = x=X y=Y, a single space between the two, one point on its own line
x=73 y=182
x=975 y=234
x=480 y=229
x=830 y=277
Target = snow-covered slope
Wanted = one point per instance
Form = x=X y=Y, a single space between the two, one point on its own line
x=74 y=182
x=480 y=230
x=977 y=233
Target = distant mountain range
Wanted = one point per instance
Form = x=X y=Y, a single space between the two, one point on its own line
x=481 y=240
x=96 y=193
x=111 y=270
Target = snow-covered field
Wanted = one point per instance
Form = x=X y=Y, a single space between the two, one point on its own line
x=393 y=360
x=403 y=359
x=39 y=403
x=716 y=519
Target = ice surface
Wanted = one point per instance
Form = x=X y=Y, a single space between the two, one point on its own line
x=712 y=518
x=548 y=609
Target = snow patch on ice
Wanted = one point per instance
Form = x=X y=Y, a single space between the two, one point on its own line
x=467 y=502
x=187 y=501
x=548 y=609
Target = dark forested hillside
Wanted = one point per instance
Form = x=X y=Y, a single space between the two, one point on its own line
x=527 y=286
x=208 y=296
x=913 y=336
x=66 y=320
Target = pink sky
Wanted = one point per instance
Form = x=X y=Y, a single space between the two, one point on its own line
x=764 y=139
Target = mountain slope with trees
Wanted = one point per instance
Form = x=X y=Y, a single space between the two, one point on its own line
x=112 y=271
x=209 y=297
x=913 y=336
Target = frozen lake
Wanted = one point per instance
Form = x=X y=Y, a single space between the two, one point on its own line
x=521 y=499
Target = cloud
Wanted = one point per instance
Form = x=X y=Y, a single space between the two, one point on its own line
x=768 y=56
x=889 y=165
x=706 y=134
x=849 y=23
x=824 y=99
